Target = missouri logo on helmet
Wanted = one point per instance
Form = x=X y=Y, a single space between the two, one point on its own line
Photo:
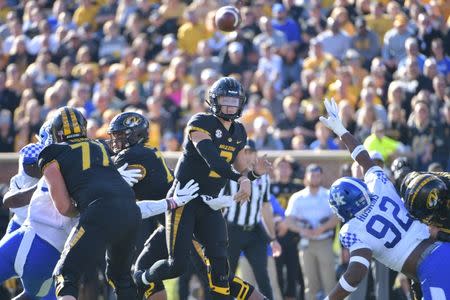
x=132 y=121
x=432 y=198
x=127 y=129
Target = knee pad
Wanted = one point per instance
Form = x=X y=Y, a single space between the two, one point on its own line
x=240 y=289
x=218 y=275
x=66 y=285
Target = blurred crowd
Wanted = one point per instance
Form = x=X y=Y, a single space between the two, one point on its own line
x=384 y=62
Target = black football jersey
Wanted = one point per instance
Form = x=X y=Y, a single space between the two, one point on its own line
x=192 y=165
x=156 y=178
x=88 y=172
x=284 y=191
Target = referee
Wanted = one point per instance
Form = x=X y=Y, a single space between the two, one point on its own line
x=251 y=226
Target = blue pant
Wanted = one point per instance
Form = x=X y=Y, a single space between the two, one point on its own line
x=434 y=274
x=24 y=254
x=12 y=226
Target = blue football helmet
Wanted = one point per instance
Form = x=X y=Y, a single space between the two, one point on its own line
x=348 y=197
x=45 y=134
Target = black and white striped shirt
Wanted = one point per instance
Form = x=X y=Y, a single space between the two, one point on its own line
x=249 y=213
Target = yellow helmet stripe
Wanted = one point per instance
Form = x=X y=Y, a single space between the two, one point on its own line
x=65 y=121
x=75 y=125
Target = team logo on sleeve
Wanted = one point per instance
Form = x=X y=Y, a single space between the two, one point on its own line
x=432 y=198
x=218 y=133
x=132 y=121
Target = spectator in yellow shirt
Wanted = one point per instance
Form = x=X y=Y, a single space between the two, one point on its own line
x=191 y=32
x=255 y=109
x=378 y=141
x=343 y=87
x=317 y=58
x=86 y=13
x=378 y=21
x=341 y=15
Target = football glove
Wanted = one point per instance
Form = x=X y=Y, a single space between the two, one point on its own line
x=183 y=195
x=333 y=121
x=131 y=176
x=219 y=202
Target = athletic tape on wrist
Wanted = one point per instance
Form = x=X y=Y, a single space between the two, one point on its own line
x=345 y=285
x=359 y=259
x=356 y=151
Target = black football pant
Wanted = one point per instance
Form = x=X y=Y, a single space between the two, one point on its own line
x=208 y=226
x=107 y=225
x=254 y=245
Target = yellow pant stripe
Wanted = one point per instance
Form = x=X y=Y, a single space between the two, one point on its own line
x=199 y=250
x=176 y=222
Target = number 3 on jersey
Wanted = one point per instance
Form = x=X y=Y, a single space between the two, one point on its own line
x=228 y=157
x=86 y=153
x=374 y=228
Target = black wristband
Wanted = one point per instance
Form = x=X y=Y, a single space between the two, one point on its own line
x=252 y=175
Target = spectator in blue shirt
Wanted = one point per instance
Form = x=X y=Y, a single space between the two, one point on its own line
x=282 y=22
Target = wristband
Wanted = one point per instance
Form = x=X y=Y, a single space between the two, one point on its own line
x=346 y=286
x=252 y=175
x=359 y=259
x=357 y=151
x=171 y=204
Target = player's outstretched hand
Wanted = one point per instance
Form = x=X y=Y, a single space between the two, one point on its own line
x=131 y=176
x=245 y=186
x=262 y=165
x=333 y=121
x=219 y=202
x=185 y=194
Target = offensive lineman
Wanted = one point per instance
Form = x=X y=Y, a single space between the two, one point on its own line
x=82 y=179
x=427 y=198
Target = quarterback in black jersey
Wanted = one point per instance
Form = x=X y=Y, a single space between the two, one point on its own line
x=427 y=198
x=213 y=143
x=82 y=179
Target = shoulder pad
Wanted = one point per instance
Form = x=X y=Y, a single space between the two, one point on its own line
x=50 y=153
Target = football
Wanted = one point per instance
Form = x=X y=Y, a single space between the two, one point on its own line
x=227 y=18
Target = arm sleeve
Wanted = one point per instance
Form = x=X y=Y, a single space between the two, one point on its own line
x=218 y=164
x=150 y=208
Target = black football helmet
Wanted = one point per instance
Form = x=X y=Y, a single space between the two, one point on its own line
x=127 y=129
x=68 y=123
x=400 y=167
x=426 y=197
x=229 y=87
